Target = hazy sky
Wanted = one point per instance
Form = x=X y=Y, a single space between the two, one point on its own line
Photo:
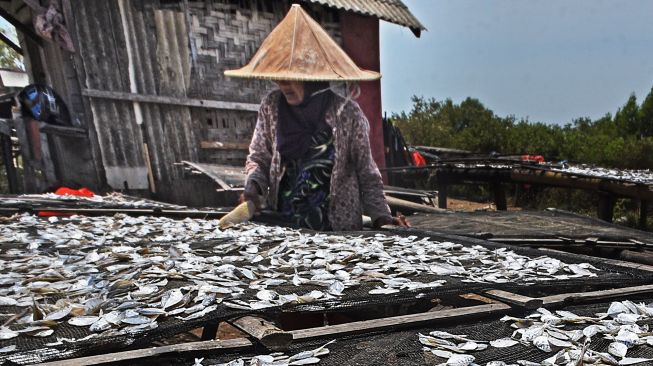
x=545 y=60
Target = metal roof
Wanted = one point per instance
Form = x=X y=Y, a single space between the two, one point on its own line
x=393 y=11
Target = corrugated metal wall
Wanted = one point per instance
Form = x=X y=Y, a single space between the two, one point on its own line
x=173 y=49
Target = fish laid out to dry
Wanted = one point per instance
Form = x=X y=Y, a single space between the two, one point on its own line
x=547 y=331
x=310 y=357
x=124 y=275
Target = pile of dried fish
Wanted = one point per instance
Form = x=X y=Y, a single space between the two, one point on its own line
x=635 y=176
x=122 y=275
x=546 y=331
x=311 y=357
x=113 y=199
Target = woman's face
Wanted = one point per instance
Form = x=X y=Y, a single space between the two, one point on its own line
x=292 y=90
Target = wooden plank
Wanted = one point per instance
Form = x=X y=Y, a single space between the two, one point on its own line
x=265 y=332
x=614 y=262
x=62 y=130
x=515 y=299
x=402 y=321
x=212 y=345
x=643 y=214
x=596 y=295
x=405 y=206
x=167 y=100
x=217 y=145
x=210 y=174
x=442 y=196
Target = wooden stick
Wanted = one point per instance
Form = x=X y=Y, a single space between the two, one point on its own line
x=614 y=262
x=402 y=321
x=515 y=299
x=265 y=332
x=158 y=99
x=230 y=344
x=596 y=295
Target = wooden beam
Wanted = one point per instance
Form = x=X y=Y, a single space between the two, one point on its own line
x=442 y=196
x=11 y=44
x=264 y=332
x=217 y=145
x=403 y=321
x=62 y=130
x=406 y=206
x=596 y=295
x=606 y=207
x=224 y=185
x=158 y=99
x=212 y=345
x=614 y=262
x=521 y=301
x=643 y=214
x=499 y=196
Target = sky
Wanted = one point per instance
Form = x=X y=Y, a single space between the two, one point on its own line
x=546 y=61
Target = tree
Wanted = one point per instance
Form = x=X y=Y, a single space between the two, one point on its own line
x=627 y=117
x=646 y=115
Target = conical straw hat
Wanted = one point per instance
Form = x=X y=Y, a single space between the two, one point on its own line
x=299 y=49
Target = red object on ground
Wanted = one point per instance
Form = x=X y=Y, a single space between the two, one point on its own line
x=65 y=191
x=537 y=158
x=418 y=159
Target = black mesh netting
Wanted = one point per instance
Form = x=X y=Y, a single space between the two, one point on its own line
x=32 y=350
x=403 y=347
x=527 y=224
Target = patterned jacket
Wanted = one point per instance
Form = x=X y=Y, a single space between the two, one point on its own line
x=356 y=183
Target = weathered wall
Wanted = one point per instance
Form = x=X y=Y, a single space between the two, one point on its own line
x=172 y=49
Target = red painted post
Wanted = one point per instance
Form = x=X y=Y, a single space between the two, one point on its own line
x=360 y=39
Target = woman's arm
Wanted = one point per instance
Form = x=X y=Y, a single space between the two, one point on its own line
x=257 y=166
x=369 y=177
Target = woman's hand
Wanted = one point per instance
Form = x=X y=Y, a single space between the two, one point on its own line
x=399 y=220
x=252 y=192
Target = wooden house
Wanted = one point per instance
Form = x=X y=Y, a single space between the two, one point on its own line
x=144 y=84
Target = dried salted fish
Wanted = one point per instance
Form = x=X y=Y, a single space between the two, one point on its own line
x=171 y=298
x=8 y=349
x=460 y=360
x=633 y=361
x=6 y=333
x=542 y=342
x=83 y=321
x=503 y=343
x=441 y=353
x=7 y=301
x=116 y=268
x=59 y=314
x=618 y=349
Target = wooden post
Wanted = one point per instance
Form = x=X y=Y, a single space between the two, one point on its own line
x=606 y=206
x=643 y=214
x=442 y=195
x=499 y=196
x=210 y=331
x=265 y=332
x=7 y=157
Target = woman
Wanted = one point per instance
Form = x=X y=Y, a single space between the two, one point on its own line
x=310 y=154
